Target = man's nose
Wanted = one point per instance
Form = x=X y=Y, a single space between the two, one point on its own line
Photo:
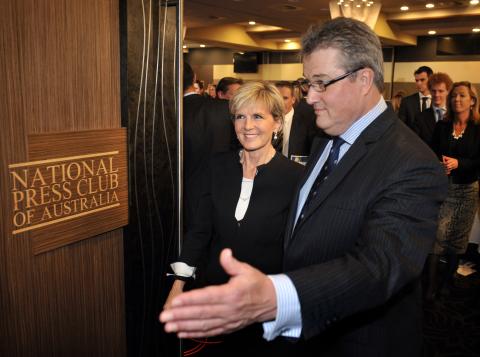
x=312 y=96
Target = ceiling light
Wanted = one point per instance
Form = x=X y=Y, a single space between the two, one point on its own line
x=184 y=46
x=369 y=4
x=358 y=5
x=404 y=8
x=430 y=6
x=474 y=2
x=346 y=5
x=202 y=46
x=287 y=40
x=251 y=23
x=476 y=29
x=432 y=32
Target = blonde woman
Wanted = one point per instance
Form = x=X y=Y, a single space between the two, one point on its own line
x=244 y=206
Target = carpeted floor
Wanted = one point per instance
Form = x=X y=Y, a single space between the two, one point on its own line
x=452 y=323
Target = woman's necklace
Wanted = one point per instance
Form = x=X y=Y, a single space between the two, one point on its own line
x=458 y=130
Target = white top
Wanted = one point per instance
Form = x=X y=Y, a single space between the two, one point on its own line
x=244 y=199
x=287 y=126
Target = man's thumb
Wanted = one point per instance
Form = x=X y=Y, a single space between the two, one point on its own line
x=231 y=265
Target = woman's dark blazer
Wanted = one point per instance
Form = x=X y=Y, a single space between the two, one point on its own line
x=466 y=150
x=258 y=238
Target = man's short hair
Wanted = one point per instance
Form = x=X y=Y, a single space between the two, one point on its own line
x=438 y=78
x=188 y=76
x=284 y=84
x=425 y=69
x=359 y=46
x=225 y=82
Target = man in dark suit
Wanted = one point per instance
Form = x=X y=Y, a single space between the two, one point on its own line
x=419 y=101
x=361 y=224
x=207 y=129
x=298 y=128
x=439 y=85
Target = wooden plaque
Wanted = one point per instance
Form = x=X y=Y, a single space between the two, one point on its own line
x=74 y=186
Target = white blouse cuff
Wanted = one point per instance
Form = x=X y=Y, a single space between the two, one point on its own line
x=182 y=269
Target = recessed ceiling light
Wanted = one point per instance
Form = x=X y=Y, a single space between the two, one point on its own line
x=476 y=29
x=432 y=32
x=358 y=5
x=251 y=22
x=346 y=5
x=202 y=46
x=474 y=2
x=404 y=8
x=430 y=6
x=184 y=46
x=287 y=40
x=369 y=4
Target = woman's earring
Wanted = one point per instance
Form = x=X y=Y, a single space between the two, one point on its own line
x=275 y=136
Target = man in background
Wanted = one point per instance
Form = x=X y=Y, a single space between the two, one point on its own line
x=207 y=129
x=439 y=85
x=298 y=128
x=227 y=86
x=419 y=101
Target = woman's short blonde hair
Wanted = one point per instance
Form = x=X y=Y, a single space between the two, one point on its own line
x=259 y=92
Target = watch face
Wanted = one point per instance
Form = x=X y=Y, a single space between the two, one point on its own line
x=301 y=159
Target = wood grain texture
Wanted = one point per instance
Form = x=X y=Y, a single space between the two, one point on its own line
x=151 y=236
x=60 y=72
x=44 y=146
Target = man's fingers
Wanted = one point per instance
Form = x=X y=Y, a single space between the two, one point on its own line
x=195 y=312
x=208 y=295
x=232 y=266
x=203 y=326
x=210 y=333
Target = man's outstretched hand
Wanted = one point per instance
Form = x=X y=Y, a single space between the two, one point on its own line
x=248 y=297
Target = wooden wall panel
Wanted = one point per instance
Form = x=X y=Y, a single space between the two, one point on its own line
x=151 y=119
x=60 y=72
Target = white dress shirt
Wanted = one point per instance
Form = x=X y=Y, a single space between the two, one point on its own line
x=287 y=126
x=429 y=100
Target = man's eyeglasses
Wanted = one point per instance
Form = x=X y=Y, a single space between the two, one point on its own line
x=321 y=86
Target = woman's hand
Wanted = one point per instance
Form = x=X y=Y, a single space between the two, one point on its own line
x=449 y=163
x=177 y=289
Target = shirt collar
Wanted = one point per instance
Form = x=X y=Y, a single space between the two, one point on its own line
x=354 y=131
x=289 y=115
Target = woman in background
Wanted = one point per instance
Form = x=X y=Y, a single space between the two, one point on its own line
x=244 y=206
x=456 y=141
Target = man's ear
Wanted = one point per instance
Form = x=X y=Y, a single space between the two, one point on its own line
x=366 y=77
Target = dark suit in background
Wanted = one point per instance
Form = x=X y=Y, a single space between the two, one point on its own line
x=424 y=124
x=409 y=108
x=365 y=238
x=302 y=132
x=207 y=129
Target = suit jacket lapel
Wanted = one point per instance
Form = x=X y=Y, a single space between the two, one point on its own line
x=320 y=146
x=359 y=149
